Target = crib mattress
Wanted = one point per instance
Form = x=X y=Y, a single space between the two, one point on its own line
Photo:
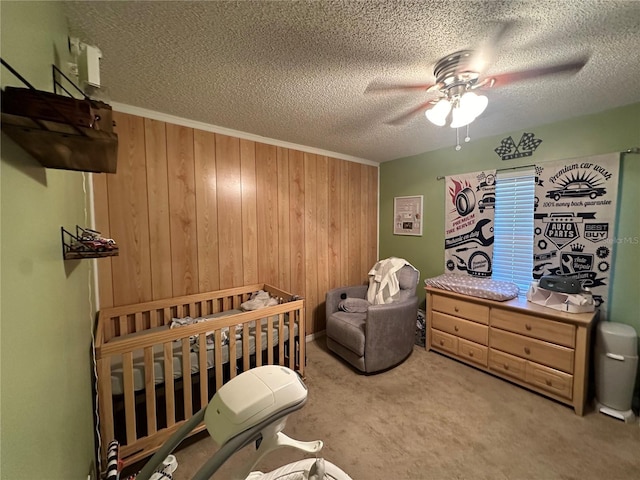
x=117 y=382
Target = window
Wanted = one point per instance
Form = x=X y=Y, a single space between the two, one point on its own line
x=513 y=227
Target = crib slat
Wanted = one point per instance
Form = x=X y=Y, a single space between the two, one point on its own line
x=217 y=355
x=292 y=343
x=149 y=388
x=153 y=318
x=302 y=336
x=166 y=316
x=245 y=347
x=233 y=360
x=105 y=402
x=129 y=396
x=138 y=322
x=110 y=330
x=258 y=340
x=169 y=385
x=204 y=380
x=200 y=311
x=270 y=340
x=122 y=323
x=280 y=340
x=216 y=305
x=186 y=378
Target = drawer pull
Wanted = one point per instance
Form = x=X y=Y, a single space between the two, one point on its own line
x=506 y=367
x=456 y=328
x=471 y=354
x=441 y=342
x=614 y=356
x=455 y=309
x=527 y=326
x=527 y=350
x=548 y=382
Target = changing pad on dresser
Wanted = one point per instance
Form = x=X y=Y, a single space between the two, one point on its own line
x=474 y=286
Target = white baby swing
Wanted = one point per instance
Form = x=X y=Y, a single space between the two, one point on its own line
x=252 y=407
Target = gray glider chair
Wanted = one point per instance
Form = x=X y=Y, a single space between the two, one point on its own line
x=373 y=337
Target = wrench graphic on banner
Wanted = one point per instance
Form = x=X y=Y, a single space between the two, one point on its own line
x=476 y=235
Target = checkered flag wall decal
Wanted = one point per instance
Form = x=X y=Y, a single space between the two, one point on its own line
x=508 y=150
x=528 y=142
x=507 y=147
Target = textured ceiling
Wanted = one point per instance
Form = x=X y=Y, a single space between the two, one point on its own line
x=296 y=71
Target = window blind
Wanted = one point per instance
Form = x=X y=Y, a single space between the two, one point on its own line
x=513 y=227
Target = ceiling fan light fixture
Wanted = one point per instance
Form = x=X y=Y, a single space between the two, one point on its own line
x=460 y=118
x=468 y=108
x=438 y=114
x=476 y=104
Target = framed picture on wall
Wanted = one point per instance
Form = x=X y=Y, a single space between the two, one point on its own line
x=407 y=215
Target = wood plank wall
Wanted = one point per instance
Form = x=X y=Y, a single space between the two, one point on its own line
x=194 y=211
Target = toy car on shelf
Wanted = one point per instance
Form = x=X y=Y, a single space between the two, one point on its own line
x=93 y=245
x=86 y=243
x=93 y=241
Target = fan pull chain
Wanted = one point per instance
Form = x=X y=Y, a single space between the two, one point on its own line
x=466 y=139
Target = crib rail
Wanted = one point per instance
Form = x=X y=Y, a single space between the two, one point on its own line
x=127 y=319
x=151 y=413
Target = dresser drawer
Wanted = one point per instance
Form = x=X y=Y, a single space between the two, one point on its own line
x=538 y=351
x=444 y=341
x=540 y=328
x=507 y=364
x=461 y=328
x=473 y=352
x=551 y=380
x=461 y=308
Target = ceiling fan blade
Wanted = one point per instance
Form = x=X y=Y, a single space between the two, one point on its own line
x=376 y=87
x=405 y=117
x=484 y=55
x=513 y=77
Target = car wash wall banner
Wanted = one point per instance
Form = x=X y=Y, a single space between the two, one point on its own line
x=574 y=220
x=469 y=211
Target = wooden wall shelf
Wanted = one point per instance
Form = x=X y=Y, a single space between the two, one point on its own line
x=79 y=256
x=60 y=131
x=81 y=246
x=59 y=145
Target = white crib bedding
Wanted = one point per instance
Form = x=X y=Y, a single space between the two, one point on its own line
x=117 y=383
x=474 y=286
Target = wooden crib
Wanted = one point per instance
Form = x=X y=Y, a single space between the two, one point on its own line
x=137 y=351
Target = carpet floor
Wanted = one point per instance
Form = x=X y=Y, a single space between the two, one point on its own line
x=434 y=418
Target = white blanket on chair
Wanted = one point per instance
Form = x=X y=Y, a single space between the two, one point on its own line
x=383 y=282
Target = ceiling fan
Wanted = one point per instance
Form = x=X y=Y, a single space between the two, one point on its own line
x=458 y=78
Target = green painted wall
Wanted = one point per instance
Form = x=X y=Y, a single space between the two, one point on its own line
x=614 y=130
x=46 y=316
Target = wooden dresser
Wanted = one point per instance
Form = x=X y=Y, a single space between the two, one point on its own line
x=537 y=347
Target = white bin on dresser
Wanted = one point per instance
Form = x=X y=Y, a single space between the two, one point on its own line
x=616 y=363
